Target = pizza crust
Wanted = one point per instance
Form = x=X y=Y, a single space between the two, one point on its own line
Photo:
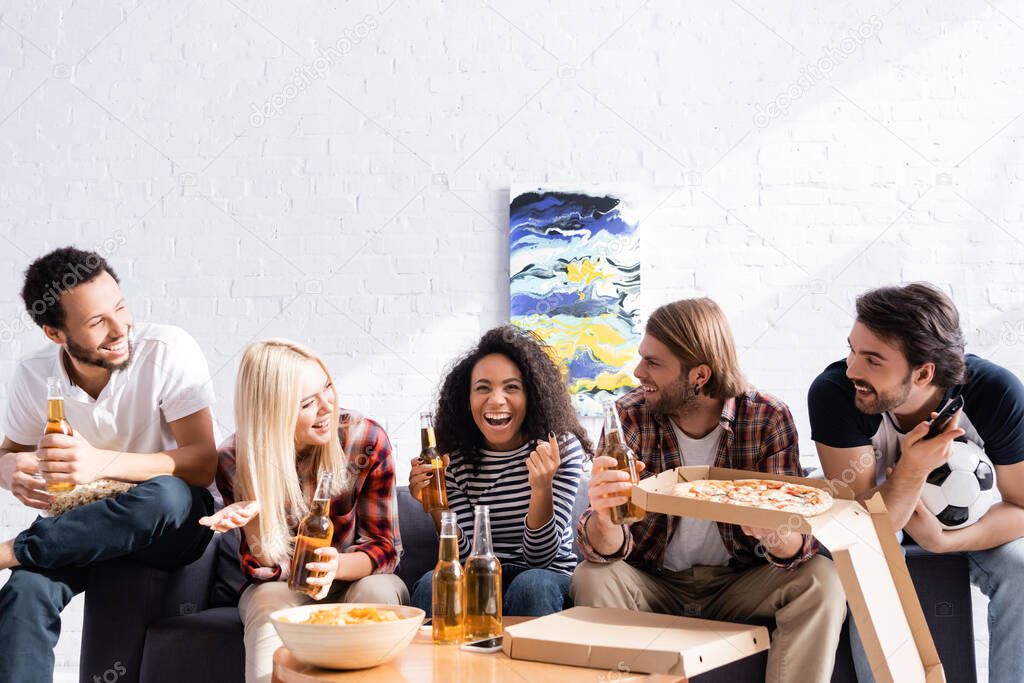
x=764 y=494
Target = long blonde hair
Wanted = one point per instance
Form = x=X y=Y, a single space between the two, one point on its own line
x=267 y=398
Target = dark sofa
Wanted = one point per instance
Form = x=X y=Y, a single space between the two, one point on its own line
x=184 y=626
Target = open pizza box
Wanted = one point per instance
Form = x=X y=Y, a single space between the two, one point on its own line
x=874 y=574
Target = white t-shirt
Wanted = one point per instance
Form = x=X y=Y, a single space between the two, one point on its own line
x=168 y=379
x=695 y=541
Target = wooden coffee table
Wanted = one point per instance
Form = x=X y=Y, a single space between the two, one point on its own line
x=424 y=662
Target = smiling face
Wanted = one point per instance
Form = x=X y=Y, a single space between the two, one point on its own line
x=666 y=390
x=880 y=373
x=316 y=408
x=97 y=324
x=497 y=400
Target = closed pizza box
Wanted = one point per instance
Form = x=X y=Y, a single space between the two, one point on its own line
x=860 y=538
x=622 y=641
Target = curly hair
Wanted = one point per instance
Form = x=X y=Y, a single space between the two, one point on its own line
x=50 y=276
x=548 y=408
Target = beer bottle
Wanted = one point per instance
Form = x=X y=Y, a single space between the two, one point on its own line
x=56 y=424
x=448 y=585
x=483 y=582
x=315 y=531
x=435 y=496
x=615 y=446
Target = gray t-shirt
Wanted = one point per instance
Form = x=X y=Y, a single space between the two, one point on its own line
x=696 y=541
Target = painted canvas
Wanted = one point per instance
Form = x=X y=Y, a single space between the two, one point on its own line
x=574 y=260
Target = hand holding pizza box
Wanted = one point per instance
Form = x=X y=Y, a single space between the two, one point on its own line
x=871 y=567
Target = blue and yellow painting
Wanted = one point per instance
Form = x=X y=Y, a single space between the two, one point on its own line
x=574 y=265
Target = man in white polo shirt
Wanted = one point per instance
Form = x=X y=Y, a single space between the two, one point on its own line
x=138 y=398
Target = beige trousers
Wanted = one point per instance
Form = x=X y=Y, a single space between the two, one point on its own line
x=808 y=605
x=260 y=600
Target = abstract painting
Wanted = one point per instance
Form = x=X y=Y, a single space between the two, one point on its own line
x=574 y=267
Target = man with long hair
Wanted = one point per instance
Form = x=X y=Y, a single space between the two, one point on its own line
x=694 y=407
x=138 y=399
x=869 y=414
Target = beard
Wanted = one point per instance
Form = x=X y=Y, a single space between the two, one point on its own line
x=93 y=358
x=882 y=402
x=678 y=398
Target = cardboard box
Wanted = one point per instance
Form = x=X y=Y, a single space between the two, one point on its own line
x=623 y=641
x=864 y=548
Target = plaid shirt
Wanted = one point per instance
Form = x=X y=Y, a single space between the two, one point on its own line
x=758 y=434
x=365 y=513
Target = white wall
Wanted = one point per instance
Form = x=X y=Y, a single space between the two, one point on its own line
x=365 y=212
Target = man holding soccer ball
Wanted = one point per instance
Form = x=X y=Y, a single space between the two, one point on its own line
x=869 y=419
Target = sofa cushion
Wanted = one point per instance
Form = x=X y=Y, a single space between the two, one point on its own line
x=580 y=506
x=206 y=646
x=944 y=590
x=419 y=539
x=228 y=579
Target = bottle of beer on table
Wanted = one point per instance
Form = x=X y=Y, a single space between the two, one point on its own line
x=483 y=582
x=435 y=495
x=315 y=531
x=56 y=424
x=615 y=446
x=449 y=585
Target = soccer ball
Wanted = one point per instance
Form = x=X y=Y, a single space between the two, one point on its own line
x=961 y=491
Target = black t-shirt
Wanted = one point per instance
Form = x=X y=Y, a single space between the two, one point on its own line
x=993 y=415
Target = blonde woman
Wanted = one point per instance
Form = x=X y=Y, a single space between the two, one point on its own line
x=289 y=429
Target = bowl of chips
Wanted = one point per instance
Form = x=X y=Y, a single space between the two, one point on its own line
x=347 y=635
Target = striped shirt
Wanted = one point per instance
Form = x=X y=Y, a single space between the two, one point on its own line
x=500 y=480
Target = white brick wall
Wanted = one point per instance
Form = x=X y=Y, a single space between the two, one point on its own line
x=365 y=211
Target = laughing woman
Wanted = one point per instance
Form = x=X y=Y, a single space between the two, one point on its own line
x=514 y=443
x=289 y=430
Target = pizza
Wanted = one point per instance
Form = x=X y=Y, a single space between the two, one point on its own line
x=765 y=494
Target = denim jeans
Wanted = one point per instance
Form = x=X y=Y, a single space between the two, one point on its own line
x=525 y=592
x=999 y=574
x=156 y=523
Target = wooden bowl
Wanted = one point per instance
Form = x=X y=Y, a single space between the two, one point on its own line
x=346 y=646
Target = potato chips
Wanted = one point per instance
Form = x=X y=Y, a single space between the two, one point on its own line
x=355 y=615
